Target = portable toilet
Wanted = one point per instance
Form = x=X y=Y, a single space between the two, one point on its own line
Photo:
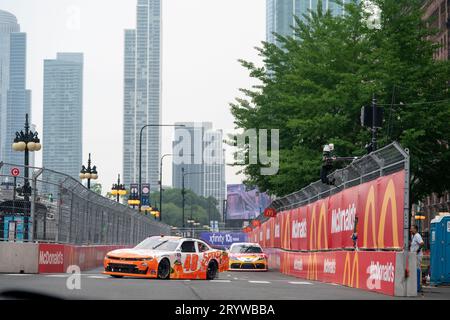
x=440 y=250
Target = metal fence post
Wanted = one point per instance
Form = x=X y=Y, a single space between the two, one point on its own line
x=33 y=204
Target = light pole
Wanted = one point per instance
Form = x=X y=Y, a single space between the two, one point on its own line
x=183 y=192
x=118 y=189
x=25 y=142
x=161 y=184
x=89 y=173
x=140 y=153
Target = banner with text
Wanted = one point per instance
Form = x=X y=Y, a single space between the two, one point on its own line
x=329 y=223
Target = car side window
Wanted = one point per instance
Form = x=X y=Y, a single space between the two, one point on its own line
x=202 y=247
x=188 y=246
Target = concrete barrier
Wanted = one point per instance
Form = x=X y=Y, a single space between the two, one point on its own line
x=377 y=271
x=49 y=258
x=18 y=257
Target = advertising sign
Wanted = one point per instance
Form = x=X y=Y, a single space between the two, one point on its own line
x=222 y=239
x=145 y=195
x=245 y=204
x=329 y=223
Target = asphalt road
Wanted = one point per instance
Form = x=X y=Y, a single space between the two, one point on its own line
x=230 y=286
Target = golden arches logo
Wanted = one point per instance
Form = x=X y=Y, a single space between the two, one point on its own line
x=315 y=238
x=285 y=266
x=286 y=234
x=370 y=212
x=351 y=274
x=312 y=273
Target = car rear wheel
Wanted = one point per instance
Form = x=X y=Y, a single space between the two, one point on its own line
x=211 y=273
x=164 y=269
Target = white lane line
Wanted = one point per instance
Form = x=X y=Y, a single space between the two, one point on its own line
x=57 y=275
x=18 y=274
x=259 y=282
x=220 y=281
x=300 y=282
x=98 y=277
x=235 y=279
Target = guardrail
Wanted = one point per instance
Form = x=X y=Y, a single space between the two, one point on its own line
x=59 y=209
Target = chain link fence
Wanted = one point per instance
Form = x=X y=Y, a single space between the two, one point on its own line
x=385 y=161
x=59 y=209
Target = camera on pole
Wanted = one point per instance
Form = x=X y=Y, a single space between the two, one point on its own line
x=328 y=160
x=327 y=163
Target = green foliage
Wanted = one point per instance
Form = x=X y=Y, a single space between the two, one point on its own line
x=97 y=188
x=199 y=207
x=312 y=89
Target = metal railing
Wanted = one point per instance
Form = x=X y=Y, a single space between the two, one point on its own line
x=61 y=210
x=385 y=161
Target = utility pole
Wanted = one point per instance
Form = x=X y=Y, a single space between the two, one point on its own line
x=374 y=123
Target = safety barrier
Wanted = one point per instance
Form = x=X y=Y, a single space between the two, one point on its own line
x=360 y=223
x=377 y=271
x=50 y=258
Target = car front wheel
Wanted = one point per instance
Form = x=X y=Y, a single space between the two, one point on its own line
x=164 y=269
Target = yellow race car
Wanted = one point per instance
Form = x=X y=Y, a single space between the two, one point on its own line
x=247 y=256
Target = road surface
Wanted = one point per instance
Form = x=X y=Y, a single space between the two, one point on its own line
x=230 y=286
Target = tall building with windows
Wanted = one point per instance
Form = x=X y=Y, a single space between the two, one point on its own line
x=142 y=95
x=280 y=14
x=15 y=99
x=63 y=114
x=199 y=150
x=437 y=16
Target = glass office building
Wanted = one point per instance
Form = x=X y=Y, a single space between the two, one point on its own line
x=142 y=95
x=280 y=14
x=15 y=99
x=63 y=114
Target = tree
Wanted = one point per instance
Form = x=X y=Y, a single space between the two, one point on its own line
x=313 y=85
x=198 y=206
x=97 y=188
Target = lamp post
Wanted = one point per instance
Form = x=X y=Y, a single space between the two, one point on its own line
x=140 y=152
x=25 y=142
x=161 y=183
x=183 y=192
x=118 y=189
x=89 y=173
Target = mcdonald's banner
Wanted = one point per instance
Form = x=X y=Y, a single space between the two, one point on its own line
x=367 y=270
x=329 y=223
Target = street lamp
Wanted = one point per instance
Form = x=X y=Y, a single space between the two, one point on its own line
x=25 y=142
x=183 y=192
x=140 y=152
x=118 y=189
x=89 y=173
x=161 y=183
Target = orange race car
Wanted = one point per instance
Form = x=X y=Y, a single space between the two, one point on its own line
x=247 y=256
x=167 y=258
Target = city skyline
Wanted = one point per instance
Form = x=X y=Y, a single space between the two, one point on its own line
x=185 y=72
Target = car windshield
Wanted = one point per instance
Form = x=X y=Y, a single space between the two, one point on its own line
x=158 y=243
x=245 y=248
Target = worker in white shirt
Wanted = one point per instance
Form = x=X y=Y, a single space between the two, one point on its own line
x=416 y=246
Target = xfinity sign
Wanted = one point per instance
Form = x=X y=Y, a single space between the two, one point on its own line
x=222 y=239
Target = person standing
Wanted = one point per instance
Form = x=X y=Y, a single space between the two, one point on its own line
x=416 y=246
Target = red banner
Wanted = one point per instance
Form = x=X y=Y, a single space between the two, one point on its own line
x=368 y=270
x=56 y=258
x=329 y=223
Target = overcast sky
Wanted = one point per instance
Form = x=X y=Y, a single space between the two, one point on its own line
x=202 y=40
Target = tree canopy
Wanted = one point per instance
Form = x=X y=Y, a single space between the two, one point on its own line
x=312 y=87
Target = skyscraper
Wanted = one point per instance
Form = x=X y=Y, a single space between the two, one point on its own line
x=63 y=113
x=199 y=149
x=280 y=14
x=15 y=99
x=142 y=95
